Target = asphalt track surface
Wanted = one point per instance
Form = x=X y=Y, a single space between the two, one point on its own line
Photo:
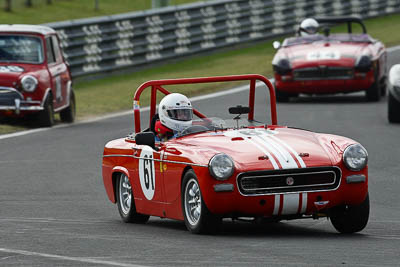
x=54 y=210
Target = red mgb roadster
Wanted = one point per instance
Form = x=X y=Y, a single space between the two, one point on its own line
x=235 y=168
x=330 y=63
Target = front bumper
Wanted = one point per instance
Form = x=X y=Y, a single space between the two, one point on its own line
x=351 y=190
x=288 y=83
x=11 y=100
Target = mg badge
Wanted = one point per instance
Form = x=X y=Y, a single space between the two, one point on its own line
x=290 y=181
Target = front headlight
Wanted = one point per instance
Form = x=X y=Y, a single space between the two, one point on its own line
x=363 y=63
x=282 y=67
x=29 y=83
x=355 y=157
x=221 y=166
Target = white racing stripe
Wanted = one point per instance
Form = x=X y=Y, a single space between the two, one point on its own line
x=284 y=157
x=299 y=159
x=271 y=159
x=277 y=204
x=304 y=203
x=290 y=204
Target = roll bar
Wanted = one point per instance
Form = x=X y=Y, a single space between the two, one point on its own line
x=157 y=86
x=340 y=20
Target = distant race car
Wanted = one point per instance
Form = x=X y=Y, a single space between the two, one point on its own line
x=330 y=63
x=34 y=77
x=394 y=94
x=235 y=168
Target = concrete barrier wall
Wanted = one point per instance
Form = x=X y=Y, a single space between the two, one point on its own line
x=103 y=44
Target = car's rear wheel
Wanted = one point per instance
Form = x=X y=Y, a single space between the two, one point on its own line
x=68 y=114
x=126 y=203
x=46 y=116
x=393 y=109
x=350 y=219
x=198 y=219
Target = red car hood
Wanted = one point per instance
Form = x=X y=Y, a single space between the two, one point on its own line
x=320 y=53
x=11 y=73
x=260 y=149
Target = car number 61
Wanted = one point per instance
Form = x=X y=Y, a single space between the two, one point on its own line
x=147 y=173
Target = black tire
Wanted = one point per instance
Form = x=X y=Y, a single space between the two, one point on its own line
x=383 y=86
x=281 y=96
x=46 y=116
x=284 y=97
x=393 y=109
x=68 y=114
x=201 y=220
x=373 y=93
x=126 y=208
x=350 y=219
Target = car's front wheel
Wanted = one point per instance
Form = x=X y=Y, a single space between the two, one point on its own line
x=68 y=114
x=198 y=219
x=126 y=203
x=393 y=109
x=374 y=93
x=282 y=96
x=350 y=219
x=46 y=116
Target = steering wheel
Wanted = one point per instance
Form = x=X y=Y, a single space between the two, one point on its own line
x=194 y=129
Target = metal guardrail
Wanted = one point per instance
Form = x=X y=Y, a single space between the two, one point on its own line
x=104 y=44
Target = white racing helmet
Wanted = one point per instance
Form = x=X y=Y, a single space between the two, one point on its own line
x=175 y=112
x=308 y=26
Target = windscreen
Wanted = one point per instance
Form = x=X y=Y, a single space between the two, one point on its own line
x=21 y=49
x=341 y=38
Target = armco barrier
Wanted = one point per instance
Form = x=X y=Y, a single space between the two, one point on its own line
x=109 y=43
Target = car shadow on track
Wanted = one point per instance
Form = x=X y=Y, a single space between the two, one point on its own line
x=235 y=228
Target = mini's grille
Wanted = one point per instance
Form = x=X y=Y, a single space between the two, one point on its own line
x=286 y=181
x=8 y=96
x=323 y=73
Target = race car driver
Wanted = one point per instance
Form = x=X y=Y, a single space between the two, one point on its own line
x=175 y=114
x=308 y=27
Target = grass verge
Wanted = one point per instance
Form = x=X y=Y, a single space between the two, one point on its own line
x=115 y=93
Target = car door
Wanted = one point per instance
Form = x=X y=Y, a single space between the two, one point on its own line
x=147 y=181
x=59 y=74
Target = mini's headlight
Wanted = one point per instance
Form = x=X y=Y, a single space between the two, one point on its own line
x=221 y=166
x=29 y=83
x=355 y=157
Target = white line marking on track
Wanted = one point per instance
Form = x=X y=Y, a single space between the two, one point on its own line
x=67 y=258
x=393 y=49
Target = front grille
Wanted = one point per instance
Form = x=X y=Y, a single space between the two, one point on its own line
x=8 y=96
x=289 y=180
x=323 y=73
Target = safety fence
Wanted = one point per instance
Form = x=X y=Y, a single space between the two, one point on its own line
x=104 y=44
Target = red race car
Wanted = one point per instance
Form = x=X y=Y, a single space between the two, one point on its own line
x=234 y=168
x=34 y=77
x=330 y=63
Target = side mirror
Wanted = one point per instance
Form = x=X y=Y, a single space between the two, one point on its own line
x=276 y=44
x=145 y=138
x=239 y=110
